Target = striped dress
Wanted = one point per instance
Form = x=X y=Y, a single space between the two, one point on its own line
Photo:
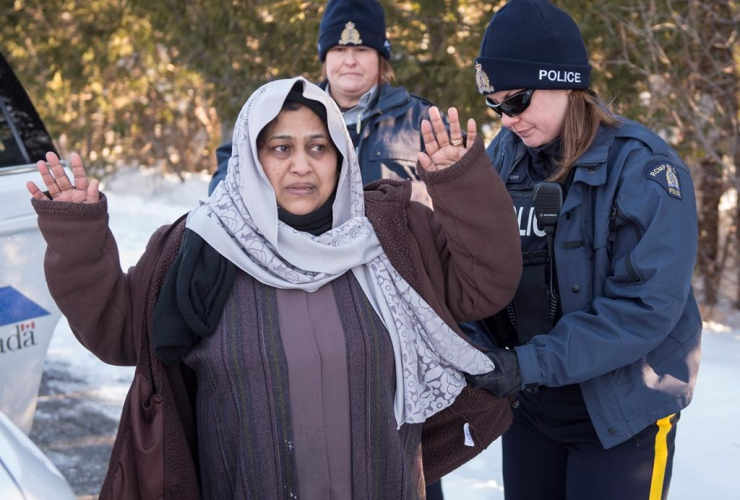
x=295 y=400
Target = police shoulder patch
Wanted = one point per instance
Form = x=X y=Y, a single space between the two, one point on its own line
x=665 y=174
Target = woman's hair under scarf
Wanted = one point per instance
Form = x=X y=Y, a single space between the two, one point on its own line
x=240 y=221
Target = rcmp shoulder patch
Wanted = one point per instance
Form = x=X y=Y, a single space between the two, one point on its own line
x=665 y=174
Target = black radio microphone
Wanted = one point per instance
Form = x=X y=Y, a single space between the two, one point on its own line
x=548 y=200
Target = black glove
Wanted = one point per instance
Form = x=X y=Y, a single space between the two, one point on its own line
x=504 y=380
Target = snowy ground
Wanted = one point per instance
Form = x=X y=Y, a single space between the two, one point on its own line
x=708 y=439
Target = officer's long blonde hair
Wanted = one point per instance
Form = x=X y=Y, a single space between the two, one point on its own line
x=585 y=114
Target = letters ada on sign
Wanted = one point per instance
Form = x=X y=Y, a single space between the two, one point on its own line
x=21 y=338
x=17 y=325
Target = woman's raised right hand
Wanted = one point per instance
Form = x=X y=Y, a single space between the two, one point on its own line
x=58 y=185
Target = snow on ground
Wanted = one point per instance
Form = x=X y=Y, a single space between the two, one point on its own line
x=708 y=439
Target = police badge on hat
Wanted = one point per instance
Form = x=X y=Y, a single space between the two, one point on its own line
x=350 y=35
x=665 y=174
x=481 y=79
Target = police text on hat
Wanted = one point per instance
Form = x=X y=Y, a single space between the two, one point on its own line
x=531 y=44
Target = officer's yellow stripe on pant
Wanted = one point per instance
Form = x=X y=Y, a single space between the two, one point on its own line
x=661 y=457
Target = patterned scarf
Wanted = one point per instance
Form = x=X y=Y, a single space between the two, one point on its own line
x=240 y=221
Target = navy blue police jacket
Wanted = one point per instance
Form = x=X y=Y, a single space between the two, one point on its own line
x=625 y=249
x=389 y=138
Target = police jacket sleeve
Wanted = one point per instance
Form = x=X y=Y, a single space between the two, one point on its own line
x=223 y=155
x=651 y=262
x=476 y=235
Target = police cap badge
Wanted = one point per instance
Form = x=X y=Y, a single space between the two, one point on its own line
x=350 y=35
x=481 y=79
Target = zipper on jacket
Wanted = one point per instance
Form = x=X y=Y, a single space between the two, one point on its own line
x=635 y=228
x=362 y=136
x=495 y=154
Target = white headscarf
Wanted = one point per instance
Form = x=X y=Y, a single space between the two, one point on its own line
x=240 y=221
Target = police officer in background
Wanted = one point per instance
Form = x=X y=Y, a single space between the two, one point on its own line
x=384 y=121
x=601 y=343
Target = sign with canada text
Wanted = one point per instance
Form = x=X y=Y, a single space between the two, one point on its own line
x=25 y=332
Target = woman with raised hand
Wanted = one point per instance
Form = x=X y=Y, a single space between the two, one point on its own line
x=294 y=336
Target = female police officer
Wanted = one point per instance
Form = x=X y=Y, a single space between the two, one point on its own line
x=604 y=330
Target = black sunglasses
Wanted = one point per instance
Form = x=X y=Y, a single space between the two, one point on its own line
x=513 y=105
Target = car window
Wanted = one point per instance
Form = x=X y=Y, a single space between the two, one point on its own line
x=23 y=137
x=10 y=146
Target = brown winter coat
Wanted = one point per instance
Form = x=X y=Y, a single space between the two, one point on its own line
x=463 y=259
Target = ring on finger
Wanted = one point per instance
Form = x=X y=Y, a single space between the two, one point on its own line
x=456 y=142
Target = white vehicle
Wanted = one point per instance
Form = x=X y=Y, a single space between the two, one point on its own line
x=28 y=314
x=25 y=473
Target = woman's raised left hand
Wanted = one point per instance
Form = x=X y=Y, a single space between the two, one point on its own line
x=442 y=150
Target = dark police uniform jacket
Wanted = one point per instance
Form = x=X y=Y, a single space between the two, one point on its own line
x=388 y=142
x=625 y=249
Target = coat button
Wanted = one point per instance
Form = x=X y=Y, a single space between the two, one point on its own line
x=567 y=216
x=612 y=430
x=592 y=170
x=377 y=153
x=575 y=289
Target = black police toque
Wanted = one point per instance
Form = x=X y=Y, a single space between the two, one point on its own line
x=353 y=22
x=531 y=44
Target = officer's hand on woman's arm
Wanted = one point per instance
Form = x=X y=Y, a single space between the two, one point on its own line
x=504 y=380
x=443 y=149
x=58 y=185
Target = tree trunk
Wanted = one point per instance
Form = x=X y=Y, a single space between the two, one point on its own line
x=711 y=189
